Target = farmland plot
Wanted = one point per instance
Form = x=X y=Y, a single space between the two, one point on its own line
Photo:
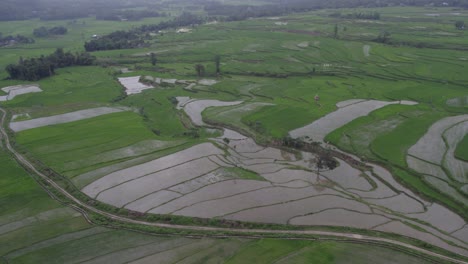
x=194 y=182
x=434 y=155
x=348 y=111
x=64 y=118
x=195 y=108
x=14 y=91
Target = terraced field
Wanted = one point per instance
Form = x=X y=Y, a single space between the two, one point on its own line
x=196 y=182
x=244 y=146
x=434 y=156
x=36 y=229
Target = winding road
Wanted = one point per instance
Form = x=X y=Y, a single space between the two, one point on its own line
x=292 y=234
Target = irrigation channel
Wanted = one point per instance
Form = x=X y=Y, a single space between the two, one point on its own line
x=84 y=208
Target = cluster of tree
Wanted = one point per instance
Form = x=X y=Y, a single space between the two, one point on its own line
x=133 y=15
x=12 y=40
x=288 y=141
x=135 y=38
x=43 y=32
x=37 y=68
x=116 y=40
x=200 y=70
x=357 y=15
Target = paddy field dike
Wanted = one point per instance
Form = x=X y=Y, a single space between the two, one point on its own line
x=245 y=147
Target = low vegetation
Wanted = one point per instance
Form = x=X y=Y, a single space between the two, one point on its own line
x=287 y=65
x=462 y=149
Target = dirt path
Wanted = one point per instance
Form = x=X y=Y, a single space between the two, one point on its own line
x=247 y=232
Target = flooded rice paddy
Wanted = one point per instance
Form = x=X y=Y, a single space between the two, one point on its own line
x=199 y=182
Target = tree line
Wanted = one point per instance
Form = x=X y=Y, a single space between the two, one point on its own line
x=132 y=15
x=116 y=40
x=43 y=32
x=13 y=40
x=136 y=37
x=34 y=69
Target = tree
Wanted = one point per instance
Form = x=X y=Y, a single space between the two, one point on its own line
x=336 y=31
x=153 y=58
x=41 y=32
x=460 y=25
x=383 y=37
x=200 y=69
x=218 y=64
x=324 y=160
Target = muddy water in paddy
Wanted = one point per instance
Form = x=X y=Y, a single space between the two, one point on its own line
x=176 y=184
x=64 y=118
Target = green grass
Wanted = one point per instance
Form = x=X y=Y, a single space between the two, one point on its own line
x=94 y=246
x=296 y=251
x=357 y=135
x=241 y=173
x=462 y=149
x=334 y=69
x=56 y=145
x=392 y=146
x=267 y=251
x=58 y=240
x=22 y=198
x=19 y=193
x=74 y=85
